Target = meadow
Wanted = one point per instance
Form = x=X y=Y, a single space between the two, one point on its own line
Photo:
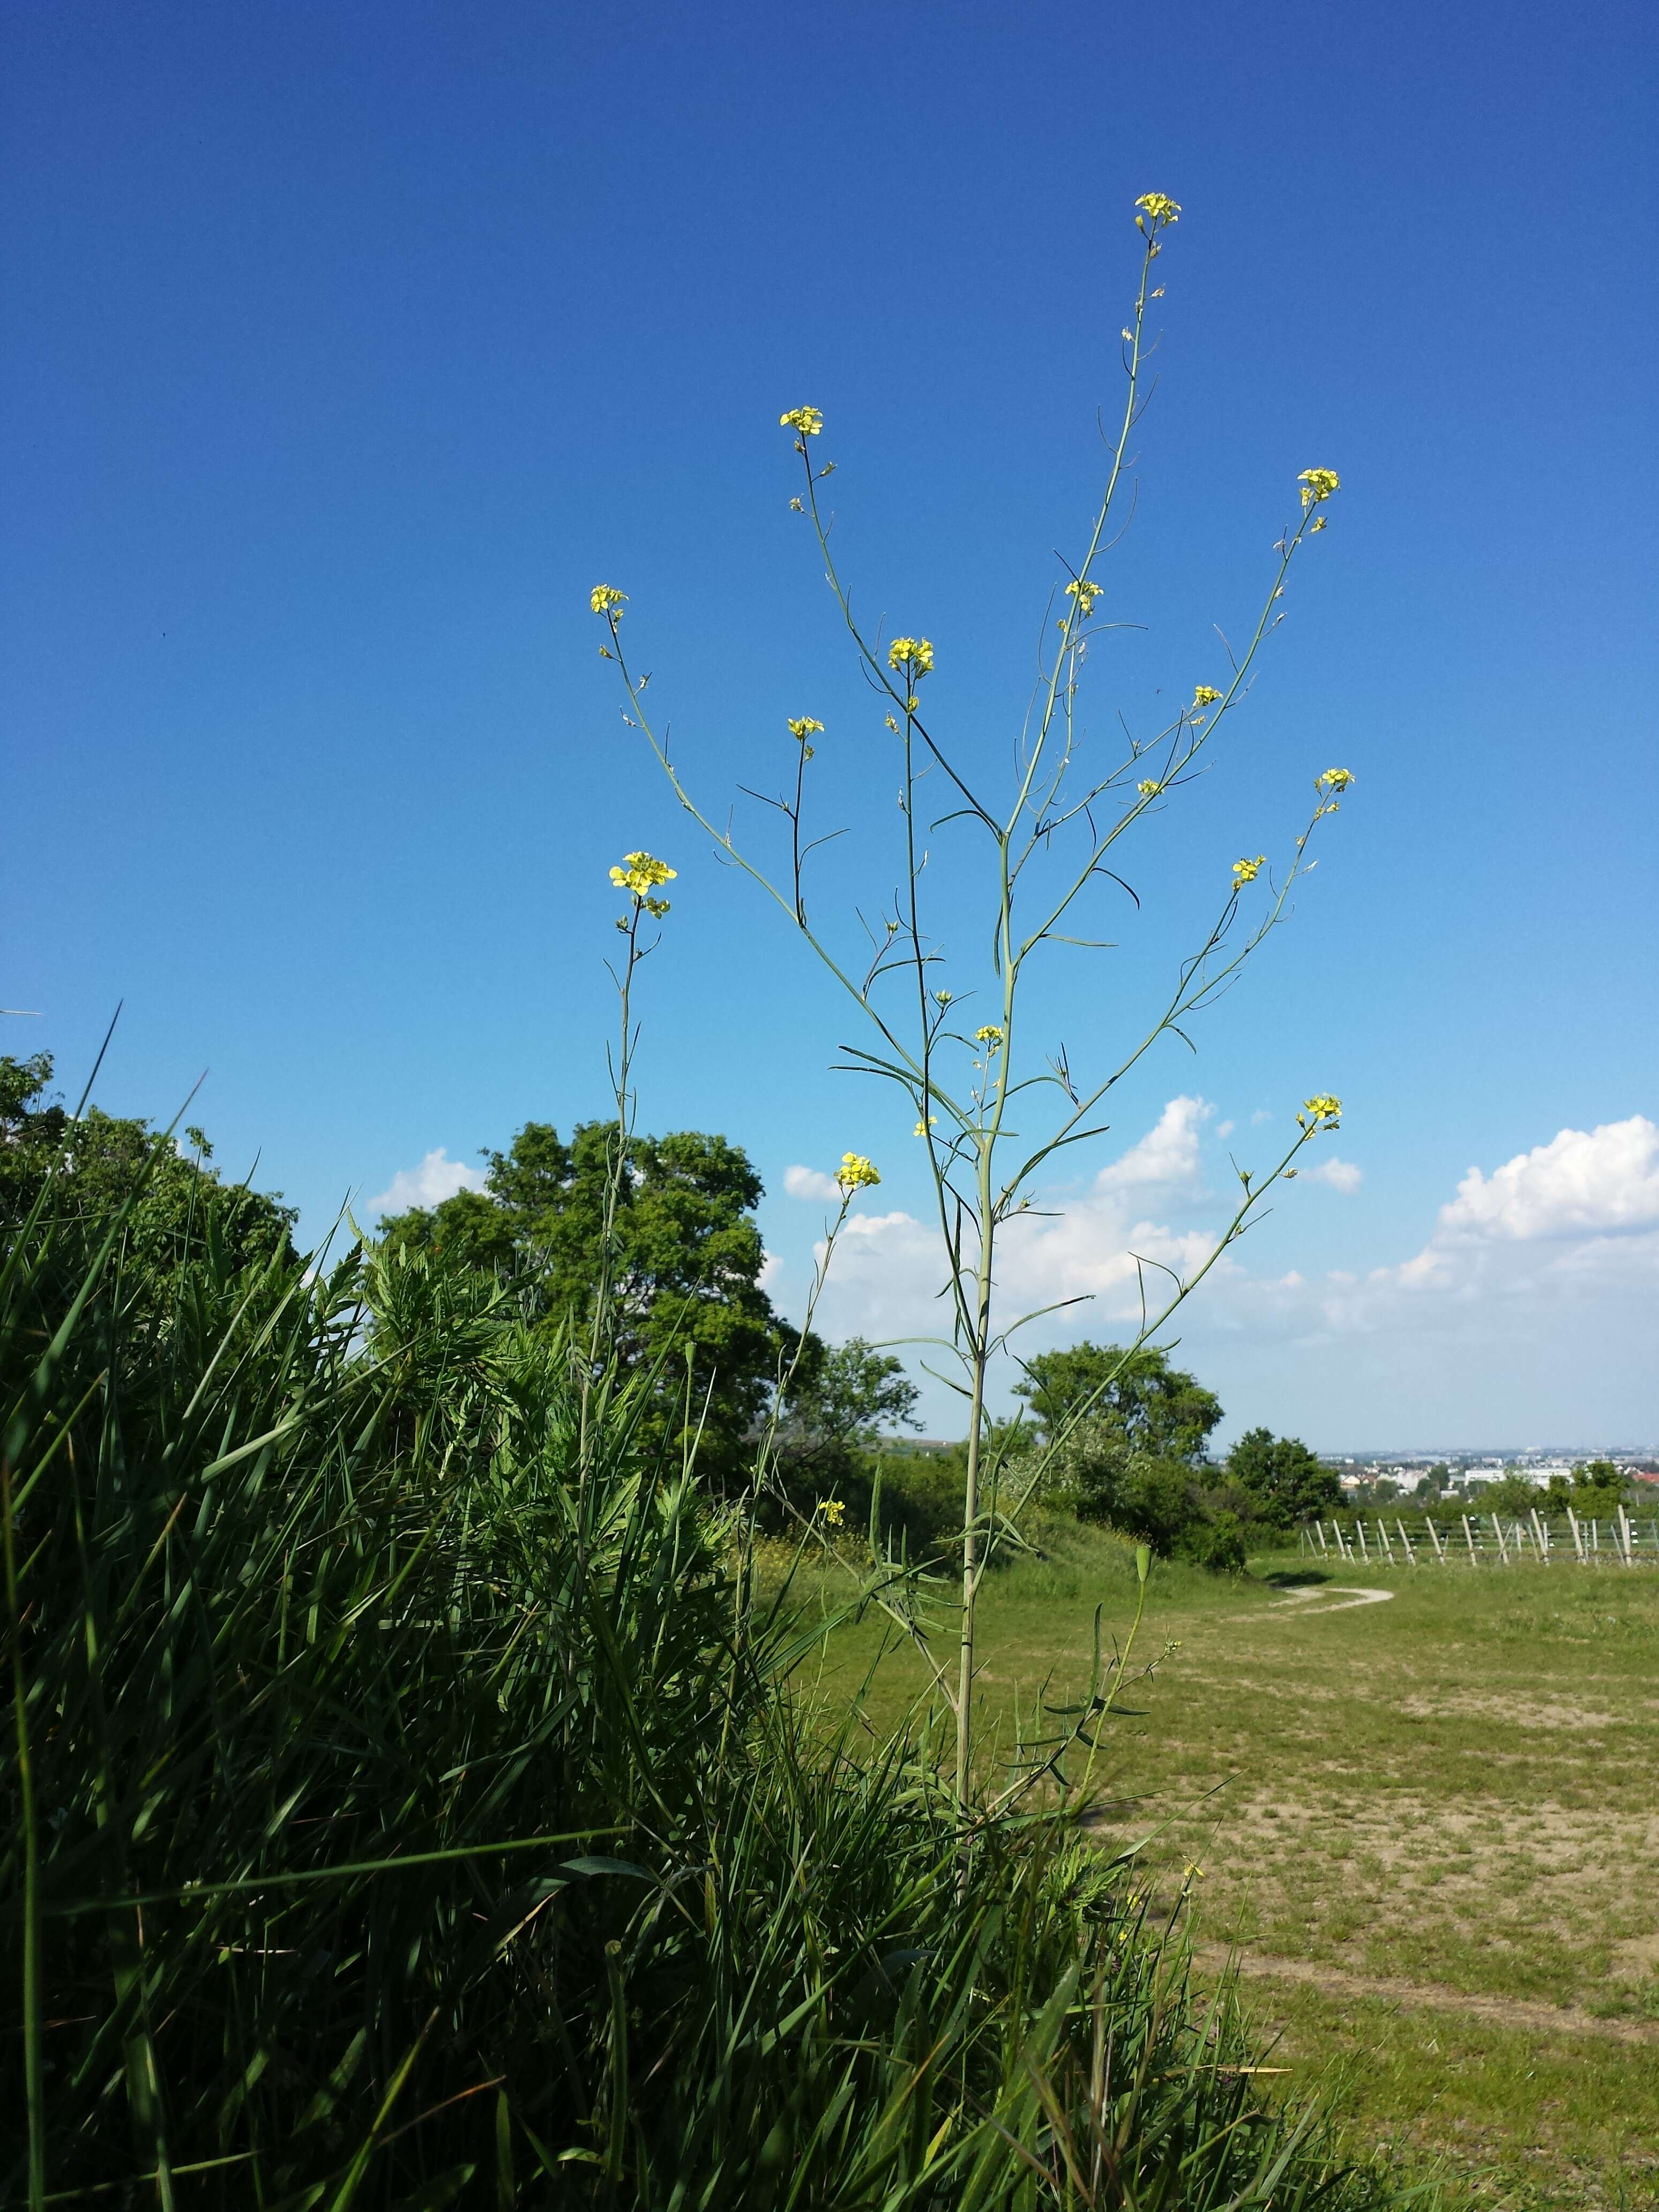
x=1426 y=1823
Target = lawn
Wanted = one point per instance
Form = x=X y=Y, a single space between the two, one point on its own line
x=1428 y=1824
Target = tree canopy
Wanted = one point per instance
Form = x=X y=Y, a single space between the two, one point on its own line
x=1285 y=1480
x=685 y=1262
x=89 y=1167
x=845 y=1396
x=1150 y=1406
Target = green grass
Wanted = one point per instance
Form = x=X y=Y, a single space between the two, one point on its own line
x=1454 y=1789
x=402 y=1806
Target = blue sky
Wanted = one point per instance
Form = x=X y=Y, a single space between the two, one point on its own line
x=346 y=348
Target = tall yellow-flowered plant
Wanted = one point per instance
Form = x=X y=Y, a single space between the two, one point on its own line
x=1054 y=841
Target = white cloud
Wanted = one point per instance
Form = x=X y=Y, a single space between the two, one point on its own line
x=1530 y=1309
x=888 y=1278
x=1582 y=1181
x=437 y=1177
x=1341 y=1175
x=1166 y=1158
x=813 y=1185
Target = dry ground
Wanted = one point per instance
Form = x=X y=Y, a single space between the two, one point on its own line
x=1428 y=1825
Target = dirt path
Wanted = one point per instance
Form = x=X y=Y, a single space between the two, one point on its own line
x=1307 y=1600
x=1428 y=1997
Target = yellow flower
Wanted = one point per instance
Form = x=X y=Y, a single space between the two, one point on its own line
x=1205 y=695
x=1323 y=1110
x=912 y=655
x=855 y=1172
x=990 y=1037
x=1336 y=779
x=922 y=1127
x=892 y=724
x=803 y=726
x=604 y=598
x=1246 y=872
x=1317 y=484
x=641 y=875
x=1084 y=593
x=798 y=507
x=1160 y=207
x=944 y=997
x=1319 y=522
x=834 y=1511
x=1149 y=787
x=807 y=421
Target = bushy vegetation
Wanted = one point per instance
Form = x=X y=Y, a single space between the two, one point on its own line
x=407 y=1805
x=1125 y=1435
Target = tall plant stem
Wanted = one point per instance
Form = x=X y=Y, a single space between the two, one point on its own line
x=600 y=1330
x=970 y=1547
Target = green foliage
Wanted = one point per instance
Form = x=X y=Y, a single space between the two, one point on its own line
x=1126 y=1432
x=1595 y=1492
x=1155 y=1409
x=395 y=1819
x=686 y=1255
x=1513 y=1493
x=1285 y=1481
x=845 y=1397
x=88 y=1170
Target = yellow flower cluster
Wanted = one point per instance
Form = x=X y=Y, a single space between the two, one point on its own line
x=641 y=875
x=1159 y=209
x=855 y=1172
x=1205 y=695
x=1318 y=484
x=1336 y=779
x=833 y=1510
x=912 y=656
x=990 y=1037
x=1149 y=787
x=1084 y=593
x=1323 y=1110
x=1246 y=872
x=806 y=422
x=922 y=1127
x=803 y=726
x=604 y=599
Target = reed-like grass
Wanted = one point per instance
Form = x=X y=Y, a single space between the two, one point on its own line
x=397 y=1817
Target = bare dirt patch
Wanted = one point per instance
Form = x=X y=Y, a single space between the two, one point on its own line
x=1428 y=1997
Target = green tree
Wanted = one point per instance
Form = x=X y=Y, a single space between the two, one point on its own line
x=1155 y=1409
x=685 y=1262
x=89 y=1167
x=1514 y=1492
x=1287 y=1482
x=846 y=1396
x=1598 y=1488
